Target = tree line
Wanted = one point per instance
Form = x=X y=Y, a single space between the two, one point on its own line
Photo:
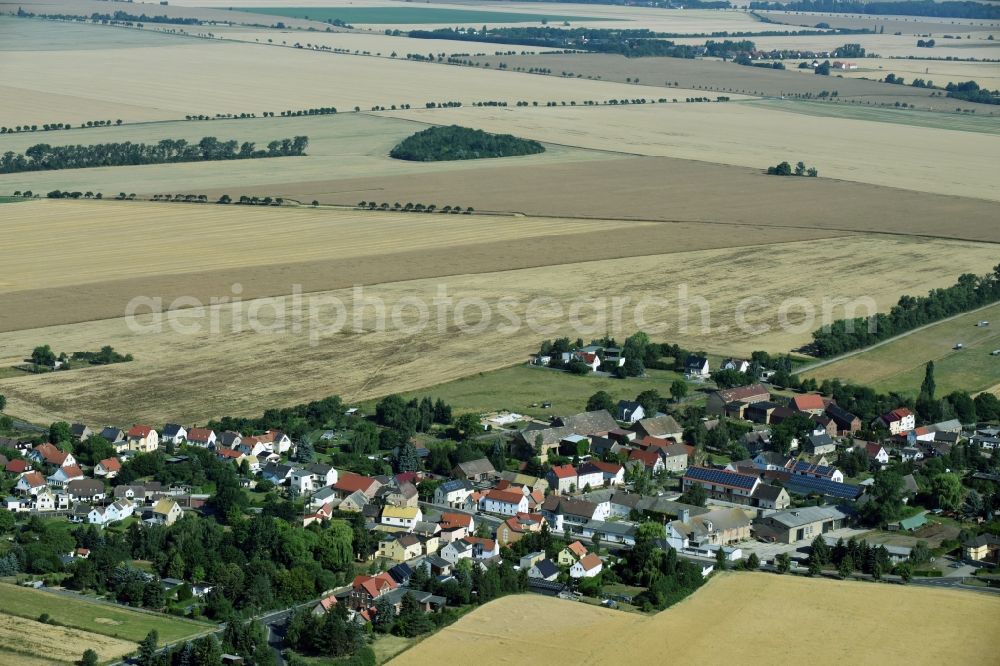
x=968 y=293
x=43 y=157
x=947 y=9
x=785 y=169
x=461 y=143
x=48 y=127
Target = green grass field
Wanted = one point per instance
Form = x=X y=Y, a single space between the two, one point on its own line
x=954 y=121
x=408 y=15
x=98 y=618
x=899 y=365
x=519 y=387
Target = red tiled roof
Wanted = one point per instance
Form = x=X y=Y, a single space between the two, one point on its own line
x=16 y=466
x=351 y=482
x=139 y=431
x=577 y=549
x=199 y=434
x=589 y=562
x=897 y=415
x=71 y=471
x=807 y=402
x=34 y=479
x=506 y=496
x=111 y=464
x=563 y=471
x=328 y=603
x=606 y=467
x=647 y=458
x=229 y=453
x=489 y=545
x=449 y=520
x=51 y=454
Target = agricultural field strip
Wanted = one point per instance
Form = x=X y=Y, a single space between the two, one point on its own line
x=899 y=364
x=175 y=81
x=64 y=645
x=545 y=626
x=188 y=237
x=878 y=153
x=289 y=368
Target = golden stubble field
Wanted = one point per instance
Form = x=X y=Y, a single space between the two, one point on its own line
x=211 y=76
x=208 y=366
x=917 y=158
x=733 y=619
x=29 y=640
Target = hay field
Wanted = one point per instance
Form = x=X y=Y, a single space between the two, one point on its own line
x=739 y=134
x=732 y=618
x=174 y=81
x=345 y=145
x=899 y=365
x=22 y=642
x=233 y=368
x=908 y=25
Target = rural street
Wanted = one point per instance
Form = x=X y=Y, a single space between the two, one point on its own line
x=828 y=361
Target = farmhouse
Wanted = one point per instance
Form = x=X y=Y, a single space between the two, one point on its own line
x=719 y=527
x=562 y=478
x=809 y=403
x=696 y=367
x=664 y=427
x=630 y=411
x=805 y=523
x=847 y=423
x=897 y=421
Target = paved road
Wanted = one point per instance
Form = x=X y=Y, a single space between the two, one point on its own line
x=828 y=361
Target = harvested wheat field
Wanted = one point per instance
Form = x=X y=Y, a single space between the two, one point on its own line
x=742 y=607
x=716 y=196
x=294 y=353
x=714 y=77
x=941 y=72
x=963 y=163
x=908 y=25
x=22 y=642
x=182 y=79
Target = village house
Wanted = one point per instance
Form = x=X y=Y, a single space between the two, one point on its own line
x=108 y=468
x=766 y=496
x=349 y=483
x=562 y=478
x=560 y=512
x=820 y=444
x=401 y=516
x=50 y=454
x=17 y=466
x=400 y=548
x=453 y=493
x=722 y=484
x=983 y=548
x=30 y=483
x=504 y=502
x=141 y=439
x=629 y=411
x=115 y=436
x=403 y=494
x=719 y=528
x=86 y=490
x=898 y=420
x=804 y=468
x=847 y=423
x=875 y=451
x=543 y=569
x=366 y=590
x=571 y=554
x=612 y=474
x=599 y=422
x=697 y=367
x=173 y=434
x=588 y=566
x=453 y=551
x=166 y=512
x=739 y=365
x=64 y=475
x=649 y=460
x=514 y=528
x=115 y=512
x=202 y=437
x=80 y=432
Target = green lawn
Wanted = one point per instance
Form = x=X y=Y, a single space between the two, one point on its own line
x=899 y=365
x=519 y=387
x=409 y=15
x=387 y=647
x=98 y=618
x=956 y=121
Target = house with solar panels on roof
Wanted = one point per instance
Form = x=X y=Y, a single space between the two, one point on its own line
x=722 y=484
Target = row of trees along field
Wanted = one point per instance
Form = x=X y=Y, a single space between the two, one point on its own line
x=461 y=143
x=910 y=312
x=974 y=10
x=43 y=157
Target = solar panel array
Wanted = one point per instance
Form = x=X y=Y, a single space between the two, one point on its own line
x=803 y=485
x=805 y=466
x=722 y=477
